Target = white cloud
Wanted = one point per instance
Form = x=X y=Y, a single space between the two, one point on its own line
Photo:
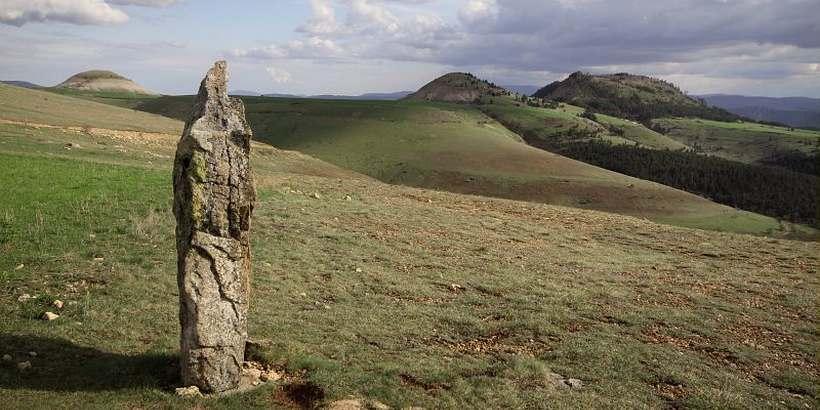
x=323 y=20
x=278 y=75
x=479 y=11
x=528 y=40
x=366 y=15
x=84 y=12
x=144 y=3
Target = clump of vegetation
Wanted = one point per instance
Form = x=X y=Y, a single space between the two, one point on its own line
x=796 y=161
x=767 y=190
x=588 y=114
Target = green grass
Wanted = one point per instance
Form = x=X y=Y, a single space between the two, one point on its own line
x=739 y=141
x=123 y=99
x=43 y=107
x=357 y=296
x=639 y=134
x=565 y=123
x=441 y=146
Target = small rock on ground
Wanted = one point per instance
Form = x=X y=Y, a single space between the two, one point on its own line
x=58 y=304
x=32 y=354
x=190 y=391
x=357 y=404
x=48 y=316
x=7 y=358
x=24 y=365
x=574 y=383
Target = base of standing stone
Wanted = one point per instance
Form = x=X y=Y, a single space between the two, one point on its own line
x=253 y=376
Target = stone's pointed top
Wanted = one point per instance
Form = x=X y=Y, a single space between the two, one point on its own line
x=213 y=109
x=215 y=83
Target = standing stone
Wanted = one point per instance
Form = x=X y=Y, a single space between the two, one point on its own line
x=213 y=201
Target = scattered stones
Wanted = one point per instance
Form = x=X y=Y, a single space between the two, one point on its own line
x=92 y=236
x=253 y=373
x=71 y=145
x=49 y=316
x=58 y=304
x=348 y=198
x=22 y=366
x=24 y=298
x=214 y=198
x=190 y=391
x=7 y=358
x=359 y=270
x=20 y=266
x=32 y=354
x=99 y=259
x=316 y=195
x=270 y=376
x=456 y=287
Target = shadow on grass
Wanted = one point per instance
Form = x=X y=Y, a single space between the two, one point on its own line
x=61 y=365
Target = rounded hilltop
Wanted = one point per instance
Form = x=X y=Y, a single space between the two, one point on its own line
x=635 y=97
x=102 y=80
x=458 y=88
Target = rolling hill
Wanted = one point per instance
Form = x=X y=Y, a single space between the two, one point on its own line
x=629 y=96
x=408 y=296
x=22 y=84
x=456 y=148
x=44 y=107
x=456 y=88
x=746 y=142
x=102 y=81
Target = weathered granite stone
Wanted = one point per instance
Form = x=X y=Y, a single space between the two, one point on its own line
x=213 y=200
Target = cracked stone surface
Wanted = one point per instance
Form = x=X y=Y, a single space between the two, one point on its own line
x=213 y=201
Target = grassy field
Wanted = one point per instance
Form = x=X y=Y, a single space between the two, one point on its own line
x=43 y=107
x=456 y=148
x=739 y=141
x=565 y=123
x=406 y=296
x=123 y=99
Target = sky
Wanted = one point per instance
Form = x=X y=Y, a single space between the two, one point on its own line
x=750 y=47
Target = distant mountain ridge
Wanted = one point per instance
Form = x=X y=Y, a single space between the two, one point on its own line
x=398 y=95
x=523 y=89
x=23 y=84
x=799 y=112
x=635 y=97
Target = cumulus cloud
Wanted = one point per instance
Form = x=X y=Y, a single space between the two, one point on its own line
x=527 y=40
x=366 y=29
x=85 y=12
x=278 y=75
x=323 y=20
x=145 y=3
x=479 y=11
x=81 y=12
